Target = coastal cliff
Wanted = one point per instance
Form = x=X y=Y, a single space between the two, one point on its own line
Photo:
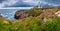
x=34 y=12
x=36 y=19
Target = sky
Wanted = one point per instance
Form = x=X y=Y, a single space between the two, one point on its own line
x=51 y=2
x=28 y=3
x=18 y=3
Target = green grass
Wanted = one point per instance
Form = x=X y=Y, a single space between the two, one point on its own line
x=31 y=24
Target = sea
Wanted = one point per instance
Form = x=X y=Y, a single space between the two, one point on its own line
x=8 y=13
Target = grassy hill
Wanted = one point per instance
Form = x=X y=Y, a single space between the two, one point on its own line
x=45 y=21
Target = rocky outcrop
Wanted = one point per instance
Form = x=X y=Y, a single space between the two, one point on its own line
x=57 y=13
x=36 y=12
x=21 y=14
x=1 y=16
x=25 y=13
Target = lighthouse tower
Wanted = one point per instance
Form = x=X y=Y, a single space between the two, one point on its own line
x=38 y=4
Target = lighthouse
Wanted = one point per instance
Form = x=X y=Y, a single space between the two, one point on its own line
x=38 y=4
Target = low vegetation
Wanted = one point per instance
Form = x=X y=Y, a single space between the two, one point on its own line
x=31 y=23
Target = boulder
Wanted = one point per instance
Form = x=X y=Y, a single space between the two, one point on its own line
x=57 y=13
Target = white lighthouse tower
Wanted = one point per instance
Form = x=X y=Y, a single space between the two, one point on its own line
x=38 y=4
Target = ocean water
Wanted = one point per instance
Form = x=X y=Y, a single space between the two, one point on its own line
x=8 y=13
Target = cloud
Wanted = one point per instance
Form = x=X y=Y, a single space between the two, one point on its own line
x=17 y=8
x=18 y=3
x=30 y=1
x=8 y=3
x=2 y=1
x=52 y=1
x=27 y=3
x=47 y=3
